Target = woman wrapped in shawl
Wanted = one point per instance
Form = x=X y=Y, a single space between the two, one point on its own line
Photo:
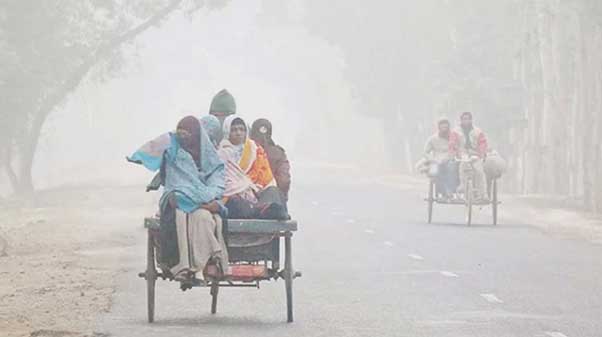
x=193 y=177
x=251 y=190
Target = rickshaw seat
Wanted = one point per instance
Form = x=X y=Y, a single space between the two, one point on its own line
x=254 y=226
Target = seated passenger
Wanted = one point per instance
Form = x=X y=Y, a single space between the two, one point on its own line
x=222 y=105
x=472 y=142
x=251 y=190
x=261 y=133
x=213 y=128
x=439 y=153
x=193 y=178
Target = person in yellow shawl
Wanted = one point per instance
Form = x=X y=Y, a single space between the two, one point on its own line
x=251 y=190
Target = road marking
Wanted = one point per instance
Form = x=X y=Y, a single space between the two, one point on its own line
x=350 y=221
x=448 y=274
x=417 y=272
x=315 y=203
x=491 y=298
x=481 y=315
x=442 y=322
x=412 y=272
x=416 y=257
x=336 y=213
x=555 y=334
x=369 y=231
x=389 y=243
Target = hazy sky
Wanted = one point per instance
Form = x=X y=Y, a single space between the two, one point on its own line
x=274 y=68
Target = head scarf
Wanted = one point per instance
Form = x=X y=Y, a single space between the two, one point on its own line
x=192 y=125
x=228 y=125
x=261 y=132
x=212 y=126
x=226 y=141
x=194 y=182
x=238 y=121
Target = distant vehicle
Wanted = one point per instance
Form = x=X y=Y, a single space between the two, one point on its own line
x=468 y=197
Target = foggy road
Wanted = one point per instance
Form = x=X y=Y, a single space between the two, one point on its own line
x=357 y=96
x=373 y=267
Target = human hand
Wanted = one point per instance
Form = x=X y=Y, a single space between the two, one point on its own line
x=212 y=207
x=172 y=200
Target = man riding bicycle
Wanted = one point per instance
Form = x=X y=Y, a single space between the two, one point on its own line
x=472 y=143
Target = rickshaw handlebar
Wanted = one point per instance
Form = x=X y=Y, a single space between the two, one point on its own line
x=470 y=159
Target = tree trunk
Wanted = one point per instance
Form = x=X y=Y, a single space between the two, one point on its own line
x=589 y=169
x=12 y=176
x=578 y=110
x=27 y=151
x=25 y=186
x=596 y=120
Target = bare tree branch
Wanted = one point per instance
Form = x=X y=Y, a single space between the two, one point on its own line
x=78 y=75
x=72 y=82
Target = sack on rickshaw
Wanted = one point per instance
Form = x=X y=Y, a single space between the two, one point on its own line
x=428 y=167
x=495 y=166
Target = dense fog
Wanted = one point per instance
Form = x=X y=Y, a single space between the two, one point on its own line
x=433 y=170
x=348 y=83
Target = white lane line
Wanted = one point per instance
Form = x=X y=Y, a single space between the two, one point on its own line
x=555 y=334
x=491 y=298
x=412 y=272
x=415 y=257
x=448 y=274
x=442 y=322
x=369 y=231
x=389 y=243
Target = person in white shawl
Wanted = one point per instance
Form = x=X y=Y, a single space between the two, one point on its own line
x=251 y=190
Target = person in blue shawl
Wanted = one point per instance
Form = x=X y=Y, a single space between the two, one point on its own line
x=192 y=175
x=212 y=126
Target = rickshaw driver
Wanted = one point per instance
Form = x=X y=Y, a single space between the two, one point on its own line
x=439 y=153
x=222 y=105
x=472 y=142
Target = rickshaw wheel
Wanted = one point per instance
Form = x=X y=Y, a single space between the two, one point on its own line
x=288 y=278
x=431 y=201
x=494 y=201
x=214 y=291
x=151 y=277
x=469 y=195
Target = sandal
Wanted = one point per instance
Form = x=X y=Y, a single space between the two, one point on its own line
x=182 y=276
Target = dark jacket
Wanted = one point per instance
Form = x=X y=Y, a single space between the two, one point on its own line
x=281 y=168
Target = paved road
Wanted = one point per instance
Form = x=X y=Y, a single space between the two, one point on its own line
x=373 y=267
